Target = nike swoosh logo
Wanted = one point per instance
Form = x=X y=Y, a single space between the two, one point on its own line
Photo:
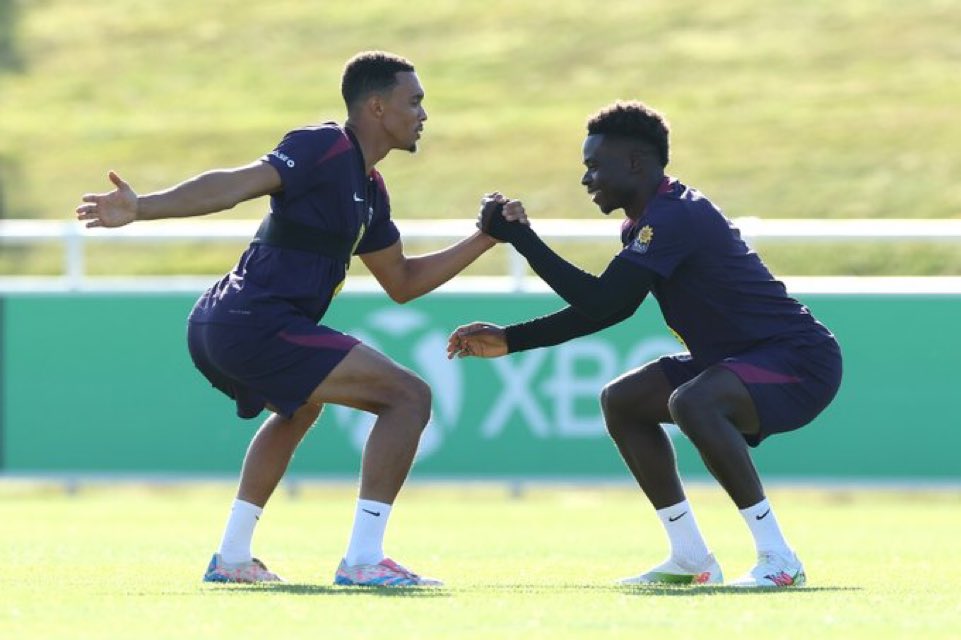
x=357 y=198
x=763 y=515
x=676 y=518
x=376 y=514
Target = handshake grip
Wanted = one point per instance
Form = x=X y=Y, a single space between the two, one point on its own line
x=492 y=222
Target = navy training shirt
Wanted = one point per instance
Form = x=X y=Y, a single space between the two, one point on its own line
x=324 y=186
x=715 y=293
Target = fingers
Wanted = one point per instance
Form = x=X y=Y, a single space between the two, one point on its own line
x=510 y=211
x=94 y=200
x=87 y=211
x=113 y=209
x=514 y=212
x=472 y=328
x=92 y=203
x=117 y=180
x=480 y=339
x=460 y=344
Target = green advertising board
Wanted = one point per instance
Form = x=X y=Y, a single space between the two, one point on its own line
x=104 y=384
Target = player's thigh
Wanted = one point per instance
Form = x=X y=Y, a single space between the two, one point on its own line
x=790 y=383
x=277 y=368
x=641 y=394
x=368 y=380
x=716 y=390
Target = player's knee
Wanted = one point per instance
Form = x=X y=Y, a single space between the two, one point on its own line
x=684 y=406
x=614 y=399
x=413 y=395
x=626 y=404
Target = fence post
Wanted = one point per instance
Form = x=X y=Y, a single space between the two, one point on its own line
x=518 y=269
x=74 y=256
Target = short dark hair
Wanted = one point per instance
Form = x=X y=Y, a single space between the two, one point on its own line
x=636 y=121
x=370 y=72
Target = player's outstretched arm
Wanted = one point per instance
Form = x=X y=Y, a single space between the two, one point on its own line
x=215 y=190
x=621 y=286
x=487 y=340
x=406 y=278
x=481 y=339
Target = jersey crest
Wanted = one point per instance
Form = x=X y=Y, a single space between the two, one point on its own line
x=643 y=240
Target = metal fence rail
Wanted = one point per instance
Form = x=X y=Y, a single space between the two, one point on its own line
x=74 y=238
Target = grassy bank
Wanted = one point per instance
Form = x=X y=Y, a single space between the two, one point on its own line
x=845 y=108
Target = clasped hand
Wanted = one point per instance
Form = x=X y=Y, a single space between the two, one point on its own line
x=500 y=217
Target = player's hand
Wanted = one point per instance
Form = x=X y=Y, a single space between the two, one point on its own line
x=114 y=209
x=480 y=339
x=497 y=215
x=492 y=204
x=514 y=212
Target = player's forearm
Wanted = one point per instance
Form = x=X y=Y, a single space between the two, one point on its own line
x=589 y=294
x=206 y=193
x=427 y=272
x=556 y=328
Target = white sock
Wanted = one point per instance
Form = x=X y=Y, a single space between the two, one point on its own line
x=235 y=545
x=764 y=527
x=367 y=538
x=687 y=545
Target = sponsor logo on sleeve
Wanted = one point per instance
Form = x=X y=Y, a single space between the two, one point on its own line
x=283 y=157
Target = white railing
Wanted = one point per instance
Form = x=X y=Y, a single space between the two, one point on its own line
x=74 y=237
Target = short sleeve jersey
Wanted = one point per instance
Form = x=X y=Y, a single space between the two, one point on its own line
x=715 y=293
x=324 y=185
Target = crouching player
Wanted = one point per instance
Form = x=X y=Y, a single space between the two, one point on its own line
x=757 y=363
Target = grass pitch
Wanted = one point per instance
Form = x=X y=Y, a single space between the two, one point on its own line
x=126 y=562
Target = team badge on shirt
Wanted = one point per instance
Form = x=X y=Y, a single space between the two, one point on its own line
x=643 y=240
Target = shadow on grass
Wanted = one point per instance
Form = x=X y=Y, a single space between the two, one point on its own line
x=688 y=591
x=288 y=588
x=649 y=590
x=447 y=592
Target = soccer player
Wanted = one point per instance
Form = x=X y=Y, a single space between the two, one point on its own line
x=757 y=363
x=255 y=335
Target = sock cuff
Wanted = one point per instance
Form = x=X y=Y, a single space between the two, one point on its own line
x=760 y=509
x=243 y=506
x=373 y=507
x=674 y=511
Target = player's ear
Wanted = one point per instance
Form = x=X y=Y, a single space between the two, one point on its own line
x=375 y=105
x=640 y=158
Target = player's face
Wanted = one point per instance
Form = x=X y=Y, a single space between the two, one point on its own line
x=404 y=114
x=609 y=178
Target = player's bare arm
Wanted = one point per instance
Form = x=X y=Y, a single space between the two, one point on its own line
x=209 y=192
x=405 y=278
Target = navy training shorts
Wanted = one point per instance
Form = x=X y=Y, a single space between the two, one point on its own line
x=790 y=382
x=255 y=367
